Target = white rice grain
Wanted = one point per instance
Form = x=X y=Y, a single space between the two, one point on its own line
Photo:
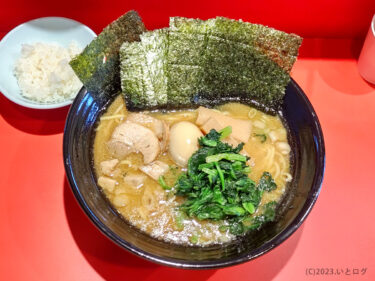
x=44 y=74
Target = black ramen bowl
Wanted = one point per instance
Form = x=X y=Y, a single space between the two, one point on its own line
x=308 y=164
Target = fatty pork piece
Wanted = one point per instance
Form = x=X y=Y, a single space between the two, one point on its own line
x=107 y=167
x=107 y=183
x=155 y=169
x=159 y=127
x=210 y=119
x=135 y=181
x=147 y=121
x=130 y=137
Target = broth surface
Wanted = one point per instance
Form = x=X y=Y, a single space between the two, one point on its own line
x=154 y=210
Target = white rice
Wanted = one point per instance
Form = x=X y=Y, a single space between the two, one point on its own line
x=44 y=74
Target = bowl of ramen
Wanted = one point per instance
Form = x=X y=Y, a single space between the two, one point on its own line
x=206 y=171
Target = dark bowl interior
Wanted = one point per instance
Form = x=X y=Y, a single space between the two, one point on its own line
x=308 y=168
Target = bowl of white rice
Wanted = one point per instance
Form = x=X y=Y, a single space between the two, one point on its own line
x=34 y=69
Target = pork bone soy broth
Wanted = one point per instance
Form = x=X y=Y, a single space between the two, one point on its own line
x=129 y=165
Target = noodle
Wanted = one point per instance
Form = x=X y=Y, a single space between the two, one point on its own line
x=288 y=177
x=259 y=124
x=270 y=157
x=151 y=209
x=264 y=118
x=118 y=109
x=126 y=162
x=281 y=159
x=277 y=173
x=111 y=117
x=98 y=128
x=252 y=113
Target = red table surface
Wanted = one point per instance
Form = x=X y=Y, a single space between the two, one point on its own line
x=44 y=235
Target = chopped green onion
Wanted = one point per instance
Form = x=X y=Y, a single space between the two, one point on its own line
x=194 y=239
x=163 y=184
x=180 y=220
x=223 y=228
x=225 y=132
x=262 y=137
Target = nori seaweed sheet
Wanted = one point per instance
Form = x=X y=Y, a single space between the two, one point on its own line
x=132 y=72
x=143 y=70
x=250 y=59
x=238 y=69
x=98 y=65
x=155 y=47
x=185 y=60
x=186 y=48
x=183 y=81
x=217 y=59
x=189 y=25
x=279 y=46
x=162 y=72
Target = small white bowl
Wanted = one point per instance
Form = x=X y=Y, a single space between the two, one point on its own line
x=47 y=30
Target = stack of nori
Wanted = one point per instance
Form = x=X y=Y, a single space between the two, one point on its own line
x=98 y=65
x=214 y=59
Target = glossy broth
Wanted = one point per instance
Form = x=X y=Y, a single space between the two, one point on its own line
x=152 y=209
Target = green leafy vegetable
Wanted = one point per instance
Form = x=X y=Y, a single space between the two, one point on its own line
x=217 y=187
x=266 y=182
x=221 y=174
x=227 y=156
x=249 y=207
x=209 y=142
x=268 y=214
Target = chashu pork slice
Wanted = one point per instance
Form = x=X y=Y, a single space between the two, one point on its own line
x=131 y=137
x=107 y=167
x=210 y=119
x=155 y=169
x=159 y=127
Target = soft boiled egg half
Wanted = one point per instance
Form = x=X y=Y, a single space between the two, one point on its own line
x=183 y=141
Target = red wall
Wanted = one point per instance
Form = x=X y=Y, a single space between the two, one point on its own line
x=320 y=18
